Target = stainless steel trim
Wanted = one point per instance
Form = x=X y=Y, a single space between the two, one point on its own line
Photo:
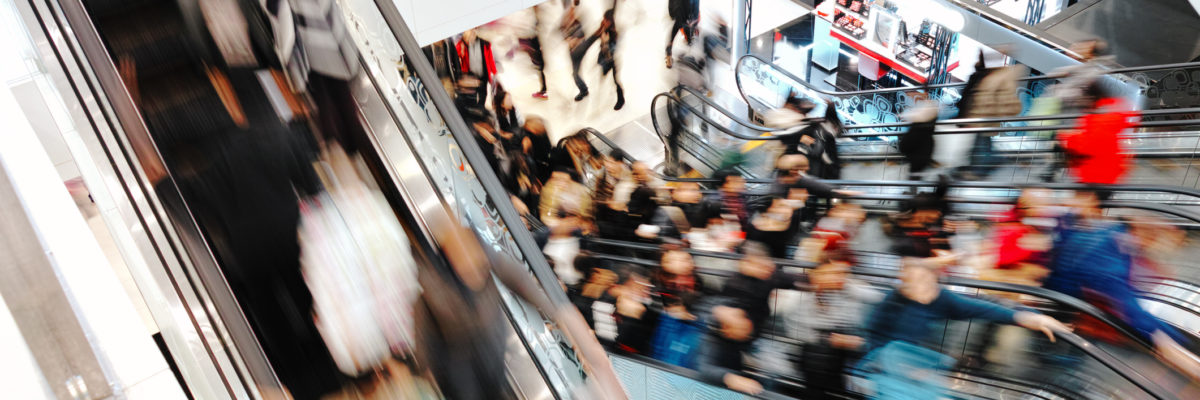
x=172 y=280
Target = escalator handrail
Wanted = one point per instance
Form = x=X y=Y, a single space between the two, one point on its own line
x=1150 y=207
x=1079 y=305
x=981 y=185
x=838 y=93
x=676 y=96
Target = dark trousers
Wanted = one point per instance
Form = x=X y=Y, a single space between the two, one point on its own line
x=675 y=27
x=983 y=158
x=577 y=59
x=533 y=46
x=823 y=367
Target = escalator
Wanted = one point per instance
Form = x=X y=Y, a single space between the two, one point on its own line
x=1108 y=373
x=1162 y=155
x=983 y=200
x=155 y=97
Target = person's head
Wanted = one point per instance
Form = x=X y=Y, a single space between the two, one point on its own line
x=1086 y=202
x=756 y=261
x=832 y=272
x=641 y=172
x=686 y=192
x=535 y=125
x=615 y=163
x=799 y=104
x=925 y=209
x=602 y=276
x=730 y=181
x=1033 y=202
x=734 y=323
x=677 y=262
x=790 y=167
x=469 y=35
x=608 y=18
x=918 y=279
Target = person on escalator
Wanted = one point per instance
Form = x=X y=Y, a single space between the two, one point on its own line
x=475 y=57
x=1094 y=152
x=729 y=338
x=677 y=276
x=901 y=326
x=757 y=277
x=538 y=147
x=815 y=139
x=562 y=192
x=829 y=322
x=676 y=220
x=1091 y=260
x=989 y=93
x=778 y=226
x=731 y=196
x=794 y=168
x=917 y=143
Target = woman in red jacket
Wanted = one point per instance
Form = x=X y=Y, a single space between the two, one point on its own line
x=1095 y=154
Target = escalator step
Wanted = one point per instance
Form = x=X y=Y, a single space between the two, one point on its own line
x=154 y=38
x=183 y=108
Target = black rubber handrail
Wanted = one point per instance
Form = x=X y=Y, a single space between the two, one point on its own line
x=1194 y=217
x=676 y=95
x=838 y=93
x=1079 y=305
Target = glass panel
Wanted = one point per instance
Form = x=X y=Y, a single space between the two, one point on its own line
x=443 y=161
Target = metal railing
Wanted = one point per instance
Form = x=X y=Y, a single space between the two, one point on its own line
x=1098 y=354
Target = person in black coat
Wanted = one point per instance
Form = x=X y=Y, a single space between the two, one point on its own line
x=750 y=289
x=684 y=15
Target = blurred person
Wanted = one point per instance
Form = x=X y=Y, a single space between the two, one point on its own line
x=821 y=193
x=1092 y=259
x=675 y=220
x=506 y=115
x=648 y=190
x=1072 y=89
x=1094 y=152
x=634 y=314
x=475 y=57
x=595 y=287
x=917 y=143
x=470 y=97
x=832 y=232
x=829 y=322
x=731 y=195
x=989 y=93
x=816 y=139
x=777 y=227
x=608 y=57
x=530 y=42
x=563 y=245
x=577 y=154
x=685 y=14
x=728 y=340
x=677 y=338
x=1021 y=242
x=536 y=142
x=463 y=341
x=757 y=277
x=562 y=192
x=677 y=276
x=907 y=315
x=919 y=230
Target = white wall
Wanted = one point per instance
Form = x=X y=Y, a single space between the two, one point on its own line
x=434 y=20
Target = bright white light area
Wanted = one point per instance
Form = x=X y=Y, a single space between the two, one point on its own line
x=935 y=11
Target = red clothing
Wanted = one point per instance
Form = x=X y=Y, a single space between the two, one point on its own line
x=1094 y=152
x=1010 y=254
x=464 y=58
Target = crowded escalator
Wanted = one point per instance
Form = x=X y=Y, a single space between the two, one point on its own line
x=389 y=222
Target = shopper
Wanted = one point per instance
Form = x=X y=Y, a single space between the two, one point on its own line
x=1094 y=152
x=750 y=289
x=731 y=196
x=475 y=57
x=1092 y=259
x=917 y=143
x=685 y=14
x=829 y=322
x=729 y=338
x=608 y=56
x=778 y=226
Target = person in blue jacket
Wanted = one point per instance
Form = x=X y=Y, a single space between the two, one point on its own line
x=910 y=311
x=1092 y=259
x=897 y=363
